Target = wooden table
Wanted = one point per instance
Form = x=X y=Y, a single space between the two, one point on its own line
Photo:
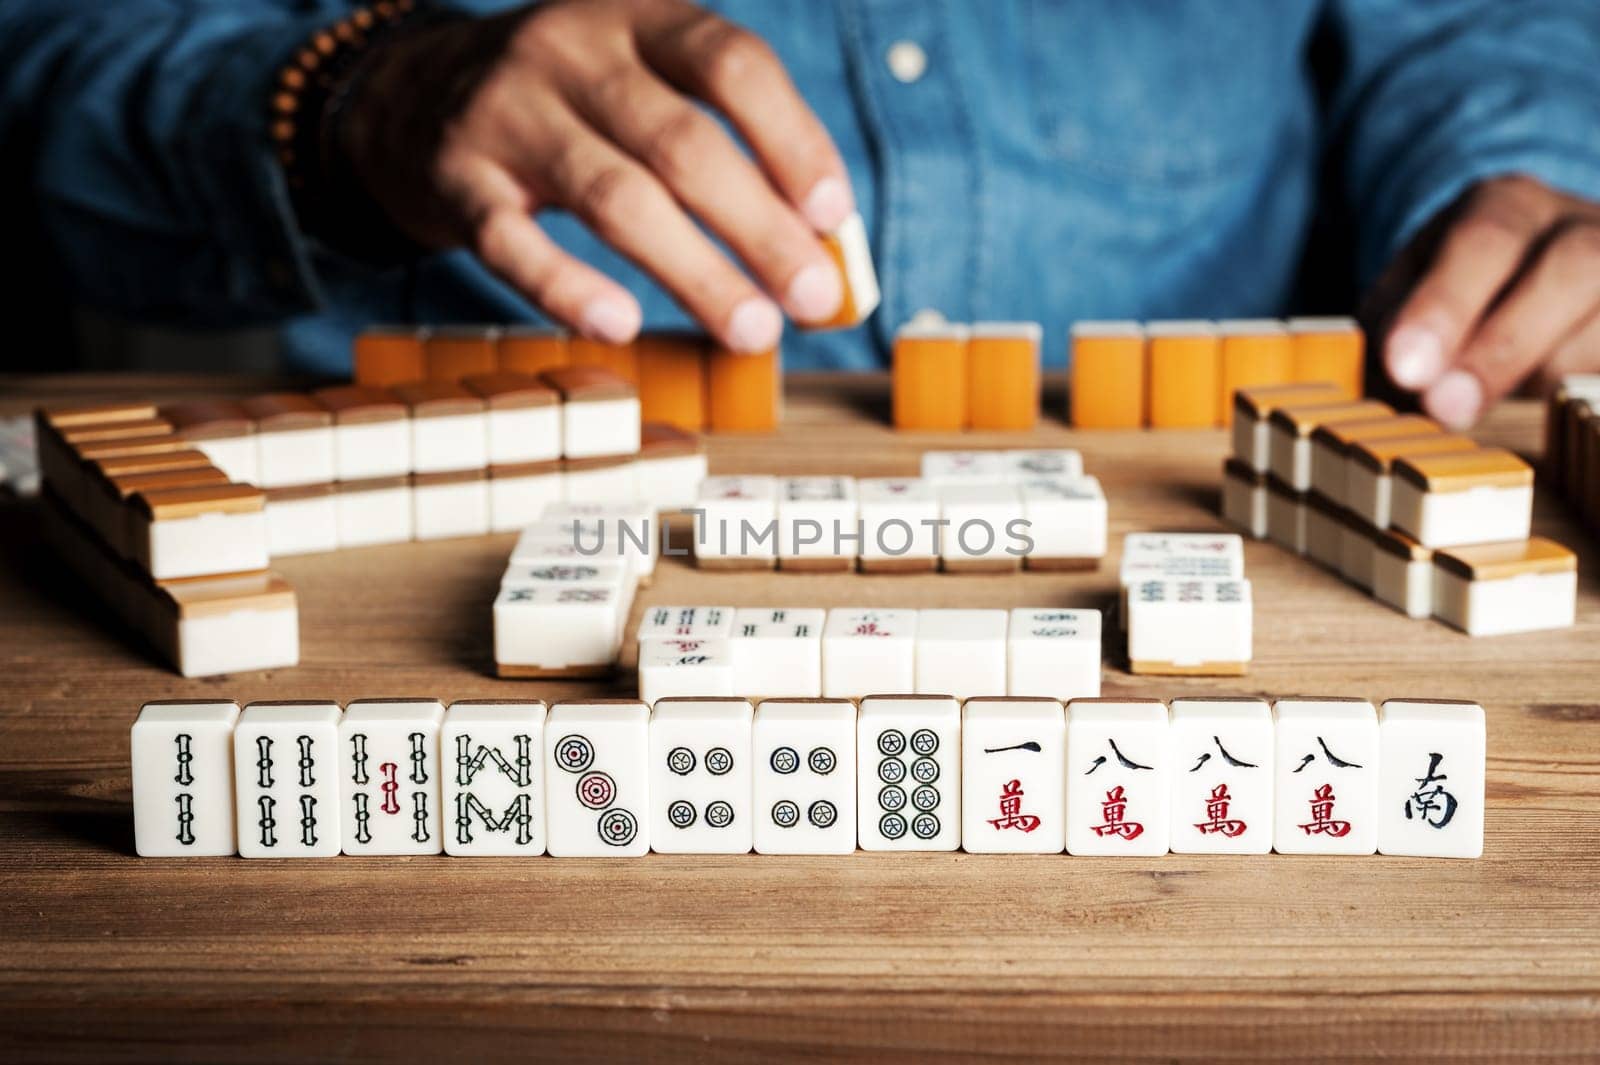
x=884 y=958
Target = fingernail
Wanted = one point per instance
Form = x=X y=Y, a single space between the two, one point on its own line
x=1455 y=400
x=827 y=204
x=1415 y=355
x=815 y=293
x=610 y=320
x=755 y=325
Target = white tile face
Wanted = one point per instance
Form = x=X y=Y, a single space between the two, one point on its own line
x=1189 y=624
x=1066 y=518
x=515 y=502
x=450 y=442
x=1169 y=556
x=1054 y=653
x=947 y=467
x=961 y=652
x=597 y=779
x=700 y=777
x=777 y=652
x=541 y=544
x=1450 y=519
x=1013 y=787
x=183 y=801
x=804 y=763
x=287 y=780
x=382 y=516
x=239 y=640
x=1047 y=464
x=201 y=545
x=372 y=449
x=440 y=511
x=909 y=773
x=817 y=517
x=738 y=517
x=525 y=434
x=302 y=526
x=983 y=522
x=678 y=668
x=899 y=518
x=1526 y=602
x=607 y=531
x=671 y=482
x=237 y=456
x=865 y=652
x=565 y=574
x=494 y=780
x=1431 y=779
x=295 y=457
x=1119 y=778
x=558 y=628
x=389 y=788
x=1405 y=584
x=1326 y=789
x=686 y=623
x=1222 y=776
x=601 y=427
x=605 y=484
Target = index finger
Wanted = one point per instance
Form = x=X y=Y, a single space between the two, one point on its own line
x=738 y=73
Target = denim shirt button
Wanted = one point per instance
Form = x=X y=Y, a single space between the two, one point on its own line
x=907 y=61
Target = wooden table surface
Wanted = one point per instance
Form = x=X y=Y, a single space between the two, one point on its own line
x=106 y=957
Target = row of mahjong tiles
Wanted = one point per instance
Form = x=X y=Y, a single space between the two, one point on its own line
x=1123 y=776
x=561 y=612
x=960 y=514
x=1426 y=521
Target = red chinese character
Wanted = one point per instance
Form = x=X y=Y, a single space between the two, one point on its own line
x=1217 y=819
x=868 y=628
x=1113 y=809
x=1322 y=821
x=1011 y=815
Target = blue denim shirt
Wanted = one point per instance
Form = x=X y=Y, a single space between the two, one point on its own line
x=1056 y=160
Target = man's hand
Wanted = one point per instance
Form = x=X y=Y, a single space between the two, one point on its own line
x=461 y=131
x=1504 y=292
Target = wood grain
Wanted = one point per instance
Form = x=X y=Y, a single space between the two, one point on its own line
x=104 y=957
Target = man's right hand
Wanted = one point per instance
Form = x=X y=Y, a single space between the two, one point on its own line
x=462 y=131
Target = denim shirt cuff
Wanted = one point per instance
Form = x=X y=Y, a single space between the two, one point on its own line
x=267 y=260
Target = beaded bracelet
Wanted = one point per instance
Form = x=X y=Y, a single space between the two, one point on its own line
x=307 y=98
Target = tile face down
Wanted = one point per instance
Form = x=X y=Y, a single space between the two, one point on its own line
x=1013 y=785
x=909 y=773
x=1119 y=771
x=961 y=652
x=597 y=769
x=390 y=776
x=804 y=762
x=183 y=802
x=1222 y=776
x=286 y=759
x=494 y=784
x=1431 y=778
x=1326 y=789
x=700 y=776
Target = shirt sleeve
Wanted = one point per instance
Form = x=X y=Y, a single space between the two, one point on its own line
x=1432 y=97
x=143 y=127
